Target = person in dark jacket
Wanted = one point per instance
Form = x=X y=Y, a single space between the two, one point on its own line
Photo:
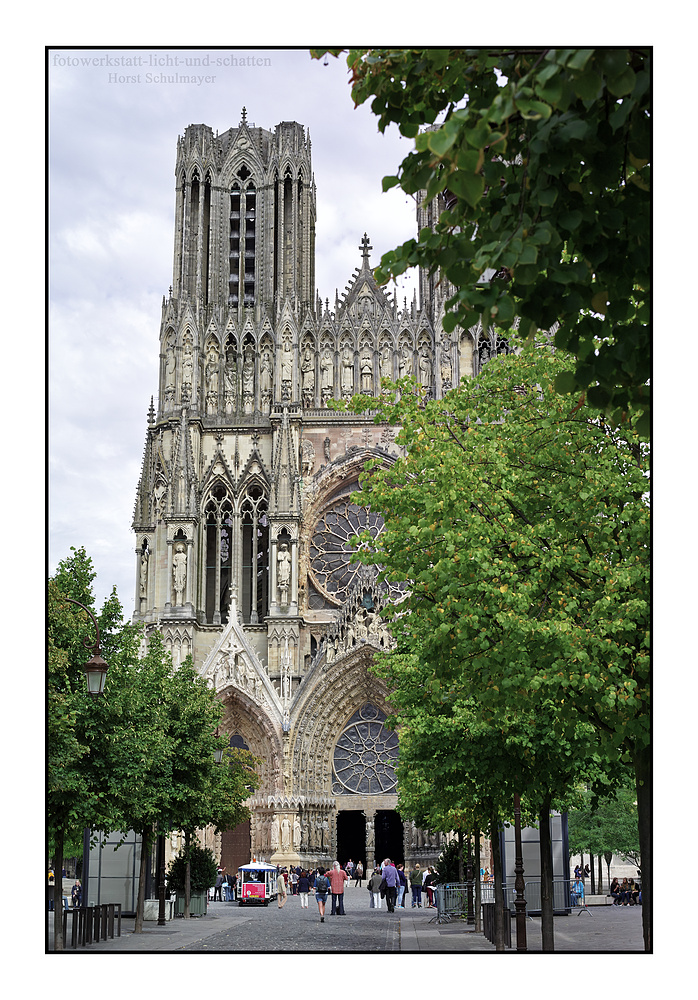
x=303 y=888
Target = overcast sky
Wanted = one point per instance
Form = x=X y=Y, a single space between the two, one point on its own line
x=113 y=130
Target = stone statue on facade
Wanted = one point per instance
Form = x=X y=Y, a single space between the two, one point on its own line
x=425 y=368
x=286 y=368
x=283 y=572
x=308 y=372
x=230 y=379
x=347 y=372
x=296 y=833
x=179 y=572
x=386 y=363
x=143 y=574
x=275 y=833
x=327 y=375
x=366 y=371
x=285 y=835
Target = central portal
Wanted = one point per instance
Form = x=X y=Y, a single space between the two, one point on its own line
x=389 y=836
x=351 y=837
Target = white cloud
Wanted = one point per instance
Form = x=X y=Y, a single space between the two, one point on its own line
x=112 y=148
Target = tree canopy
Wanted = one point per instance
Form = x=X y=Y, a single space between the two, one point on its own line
x=142 y=755
x=521 y=529
x=542 y=159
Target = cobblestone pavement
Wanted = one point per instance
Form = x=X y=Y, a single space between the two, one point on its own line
x=230 y=928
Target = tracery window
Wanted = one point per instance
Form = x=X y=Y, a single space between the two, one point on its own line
x=365 y=755
x=255 y=556
x=330 y=570
x=218 y=521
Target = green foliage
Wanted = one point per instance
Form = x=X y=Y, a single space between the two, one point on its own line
x=143 y=753
x=609 y=825
x=523 y=533
x=447 y=867
x=202 y=865
x=543 y=159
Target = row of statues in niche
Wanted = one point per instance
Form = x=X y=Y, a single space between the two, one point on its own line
x=366 y=381
x=230 y=381
x=179 y=573
x=274 y=833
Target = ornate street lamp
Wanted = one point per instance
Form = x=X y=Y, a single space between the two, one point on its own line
x=519 y=884
x=219 y=751
x=95 y=668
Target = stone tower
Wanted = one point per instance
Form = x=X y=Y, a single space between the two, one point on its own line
x=243 y=513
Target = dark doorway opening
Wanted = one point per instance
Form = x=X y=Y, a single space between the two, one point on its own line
x=236 y=847
x=351 y=837
x=389 y=836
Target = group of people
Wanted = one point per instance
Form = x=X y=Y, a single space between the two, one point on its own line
x=388 y=881
x=322 y=883
x=224 y=887
x=625 y=893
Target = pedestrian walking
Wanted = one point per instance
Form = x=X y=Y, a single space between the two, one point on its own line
x=304 y=888
x=337 y=878
x=322 y=887
x=402 y=887
x=374 y=885
x=281 y=889
x=392 y=880
x=358 y=874
x=416 y=876
x=51 y=884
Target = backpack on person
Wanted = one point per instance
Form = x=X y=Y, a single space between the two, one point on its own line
x=321 y=883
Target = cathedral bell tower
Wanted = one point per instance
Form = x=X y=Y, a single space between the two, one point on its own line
x=243 y=515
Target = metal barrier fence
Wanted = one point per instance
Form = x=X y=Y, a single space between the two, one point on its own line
x=91 y=923
x=452 y=898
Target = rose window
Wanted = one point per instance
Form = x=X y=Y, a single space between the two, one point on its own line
x=366 y=755
x=330 y=551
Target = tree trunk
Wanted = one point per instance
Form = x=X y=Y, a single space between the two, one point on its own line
x=643 y=788
x=478 y=886
x=546 y=879
x=600 y=886
x=498 y=893
x=591 y=869
x=145 y=858
x=461 y=872
x=187 y=875
x=58 y=893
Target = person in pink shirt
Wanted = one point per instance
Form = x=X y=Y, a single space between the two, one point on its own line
x=337 y=879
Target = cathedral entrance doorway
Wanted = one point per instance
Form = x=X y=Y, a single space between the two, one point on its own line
x=236 y=847
x=389 y=836
x=351 y=836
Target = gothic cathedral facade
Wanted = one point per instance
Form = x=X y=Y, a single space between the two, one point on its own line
x=243 y=512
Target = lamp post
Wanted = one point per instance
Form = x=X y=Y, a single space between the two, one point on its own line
x=95 y=668
x=520 y=902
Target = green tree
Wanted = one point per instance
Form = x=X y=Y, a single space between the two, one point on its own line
x=606 y=825
x=76 y=796
x=198 y=865
x=459 y=770
x=202 y=792
x=522 y=531
x=542 y=157
x=141 y=756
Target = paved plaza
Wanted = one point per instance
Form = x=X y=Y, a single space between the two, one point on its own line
x=228 y=927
